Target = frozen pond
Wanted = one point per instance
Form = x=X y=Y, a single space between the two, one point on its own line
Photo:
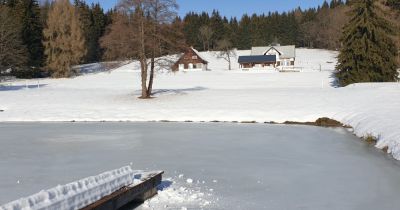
x=233 y=166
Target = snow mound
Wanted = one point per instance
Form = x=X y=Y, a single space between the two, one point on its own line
x=180 y=196
x=79 y=194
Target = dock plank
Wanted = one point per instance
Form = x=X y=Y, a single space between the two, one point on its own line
x=138 y=193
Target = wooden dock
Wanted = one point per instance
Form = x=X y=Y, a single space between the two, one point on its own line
x=132 y=194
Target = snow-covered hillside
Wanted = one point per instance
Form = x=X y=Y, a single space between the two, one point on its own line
x=371 y=109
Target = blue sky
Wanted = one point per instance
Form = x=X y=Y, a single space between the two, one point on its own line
x=232 y=7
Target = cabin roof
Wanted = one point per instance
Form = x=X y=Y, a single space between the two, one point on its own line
x=288 y=51
x=198 y=54
x=257 y=59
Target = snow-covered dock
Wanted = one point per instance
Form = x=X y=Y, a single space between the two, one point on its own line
x=110 y=190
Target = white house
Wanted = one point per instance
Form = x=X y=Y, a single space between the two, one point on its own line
x=269 y=56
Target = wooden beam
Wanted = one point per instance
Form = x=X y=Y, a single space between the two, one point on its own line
x=137 y=193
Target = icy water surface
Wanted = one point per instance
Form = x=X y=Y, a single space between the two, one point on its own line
x=232 y=166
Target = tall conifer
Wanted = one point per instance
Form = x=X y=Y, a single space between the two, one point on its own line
x=368 y=52
x=28 y=12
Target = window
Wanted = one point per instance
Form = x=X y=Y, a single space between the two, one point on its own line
x=194 y=57
x=199 y=66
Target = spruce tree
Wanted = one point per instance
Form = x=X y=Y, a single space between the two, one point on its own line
x=368 y=53
x=217 y=26
x=394 y=4
x=98 y=29
x=85 y=17
x=28 y=12
x=13 y=54
x=245 y=39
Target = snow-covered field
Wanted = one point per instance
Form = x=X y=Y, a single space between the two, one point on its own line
x=371 y=109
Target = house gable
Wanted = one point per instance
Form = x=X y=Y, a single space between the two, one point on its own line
x=272 y=51
x=190 y=58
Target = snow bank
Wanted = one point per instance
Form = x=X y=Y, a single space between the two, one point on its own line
x=181 y=195
x=77 y=195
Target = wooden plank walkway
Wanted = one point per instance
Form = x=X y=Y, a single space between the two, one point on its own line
x=133 y=194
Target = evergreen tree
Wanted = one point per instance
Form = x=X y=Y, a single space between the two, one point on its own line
x=44 y=10
x=98 y=29
x=28 y=12
x=245 y=40
x=93 y=21
x=191 y=25
x=335 y=3
x=394 y=4
x=85 y=18
x=218 y=28
x=325 y=5
x=233 y=29
x=368 y=53
x=13 y=54
x=10 y=3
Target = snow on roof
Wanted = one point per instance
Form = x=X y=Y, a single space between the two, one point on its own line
x=198 y=54
x=288 y=51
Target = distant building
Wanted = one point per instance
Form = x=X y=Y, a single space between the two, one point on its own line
x=269 y=57
x=191 y=60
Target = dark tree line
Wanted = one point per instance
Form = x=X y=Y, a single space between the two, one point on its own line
x=395 y=4
x=29 y=18
x=94 y=22
x=112 y=35
x=304 y=28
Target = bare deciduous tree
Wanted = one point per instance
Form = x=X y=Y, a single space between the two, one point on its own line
x=226 y=51
x=205 y=35
x=119 y=39
x=152 y=28
x=325 y=31
x=13 y=53
x=63 y=39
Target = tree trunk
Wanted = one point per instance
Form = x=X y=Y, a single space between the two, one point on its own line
x=229 y=61
x=153 y=57
x=150 y=87
x=143 y=62
x=144 y=78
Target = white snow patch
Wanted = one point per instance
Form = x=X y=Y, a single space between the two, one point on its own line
x=179 y=196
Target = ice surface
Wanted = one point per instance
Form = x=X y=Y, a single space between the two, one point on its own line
x=233 y=166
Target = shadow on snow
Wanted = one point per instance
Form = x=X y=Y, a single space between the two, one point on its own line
x=20 y=87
